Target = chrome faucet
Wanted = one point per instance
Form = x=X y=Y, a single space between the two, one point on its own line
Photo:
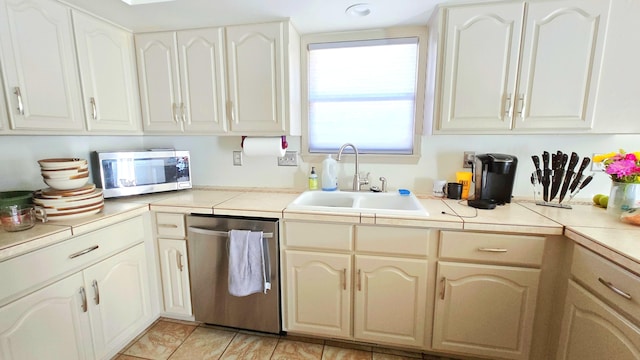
x=357 y=183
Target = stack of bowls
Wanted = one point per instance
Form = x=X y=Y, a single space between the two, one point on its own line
x=70 y=204
x=64 y=173
x=68 y=196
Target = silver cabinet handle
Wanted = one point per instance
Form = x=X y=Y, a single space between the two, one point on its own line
x=174 y=112
x=520 y=105
x=83 y=295
x=493 y=250
x=615 y=289
x=16 y=91
x=507 y=106
x=171 y=226
x=443 y=287
x=179 y=260
x=85 y=251
x=96 y=291
x=359 y=280
x=94 y=110
x=182 y=115
x=344 y=279
x=230 y=112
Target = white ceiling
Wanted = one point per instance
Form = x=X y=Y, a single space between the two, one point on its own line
x=308 y=16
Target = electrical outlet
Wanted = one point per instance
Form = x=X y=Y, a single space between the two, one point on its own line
x=468 y=156
x=290 y=158
x=237 y=158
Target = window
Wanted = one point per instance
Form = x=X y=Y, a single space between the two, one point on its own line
x=363 y=91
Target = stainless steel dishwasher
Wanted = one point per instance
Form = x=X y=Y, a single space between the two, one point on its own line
x=207 y=246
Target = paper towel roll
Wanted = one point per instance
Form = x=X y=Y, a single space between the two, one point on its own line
x=263 y=146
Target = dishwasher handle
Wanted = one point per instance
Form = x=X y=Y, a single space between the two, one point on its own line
x=204 y=231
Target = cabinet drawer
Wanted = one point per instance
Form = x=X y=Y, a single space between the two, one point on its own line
x=613 y=283
x=318 y=235
x=392 y=240
x=170 y=225
x=32 y=270
x=495 y=248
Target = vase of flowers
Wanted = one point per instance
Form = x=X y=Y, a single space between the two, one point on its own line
x=624 y=170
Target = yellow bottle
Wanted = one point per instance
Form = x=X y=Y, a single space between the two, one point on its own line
x=313 y=179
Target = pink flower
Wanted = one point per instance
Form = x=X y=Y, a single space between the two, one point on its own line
x=622 y=168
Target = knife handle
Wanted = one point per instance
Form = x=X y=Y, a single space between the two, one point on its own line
x=574 y=161
x=583 y=167
x=545 y=159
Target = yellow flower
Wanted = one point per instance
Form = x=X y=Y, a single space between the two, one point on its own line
x=601 y=157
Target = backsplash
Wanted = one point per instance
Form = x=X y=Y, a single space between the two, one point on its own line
x=212 y=163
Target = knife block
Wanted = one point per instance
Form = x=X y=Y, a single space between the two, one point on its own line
x=537 y=196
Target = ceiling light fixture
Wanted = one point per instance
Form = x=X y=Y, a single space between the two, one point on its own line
x=358 y=10
x=142 y=2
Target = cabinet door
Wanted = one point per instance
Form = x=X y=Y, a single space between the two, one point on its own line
x=318 y=293
x=485 y=310
x=256 y=77
x=106 y=58
x=119 y=303
x=591 y=330
x=202 y=75
x=38 y=56
x=175 y=276
x=480 y=54
x=159 y=82
x=47 y=324
x=385 y=283
x=560 y=64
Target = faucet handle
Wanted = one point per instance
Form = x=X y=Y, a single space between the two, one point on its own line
x=364 y=180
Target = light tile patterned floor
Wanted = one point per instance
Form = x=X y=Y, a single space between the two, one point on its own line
x=170 y=339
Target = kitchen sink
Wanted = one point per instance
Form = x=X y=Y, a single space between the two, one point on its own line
x=359 y=202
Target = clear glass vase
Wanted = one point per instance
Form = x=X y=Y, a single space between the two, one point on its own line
x=623 y=197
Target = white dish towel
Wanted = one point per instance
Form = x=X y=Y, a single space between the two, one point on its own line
x=246 y=263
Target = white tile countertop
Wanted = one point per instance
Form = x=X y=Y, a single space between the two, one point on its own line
x=587 y=225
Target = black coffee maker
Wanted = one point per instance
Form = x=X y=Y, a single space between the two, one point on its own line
x=494 y=175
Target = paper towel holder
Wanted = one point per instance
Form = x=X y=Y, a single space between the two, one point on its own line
x=283 y=138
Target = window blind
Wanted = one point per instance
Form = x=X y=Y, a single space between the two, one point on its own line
x=363 y=92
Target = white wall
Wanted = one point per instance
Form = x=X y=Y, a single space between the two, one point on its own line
x=213 y=166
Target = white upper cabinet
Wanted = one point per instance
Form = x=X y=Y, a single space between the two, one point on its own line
x=181 y=77
x=39 y=65
x=198 y=81
x=106 y=58
x=517 y=66
x=263 y=67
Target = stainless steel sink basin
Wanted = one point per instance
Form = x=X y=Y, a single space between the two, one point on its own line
x=359 y=202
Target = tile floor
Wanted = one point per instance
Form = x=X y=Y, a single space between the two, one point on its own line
x=182 y=340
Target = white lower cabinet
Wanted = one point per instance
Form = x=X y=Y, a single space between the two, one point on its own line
x=337 y=289
x=601 y=313
x=174 y=264
x=592 y=330
x=48 y=324
x=319 y=293
x=175 y=276
x=118 y=299
x=84 y=316
x=485 y=310
x=486 y=293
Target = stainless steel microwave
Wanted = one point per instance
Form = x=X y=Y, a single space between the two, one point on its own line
x=124 y=173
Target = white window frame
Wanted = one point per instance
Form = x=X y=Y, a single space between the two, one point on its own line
x=388 y=33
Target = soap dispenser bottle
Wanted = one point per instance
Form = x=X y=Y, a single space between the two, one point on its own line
x=329 y=174
x=313 y=179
